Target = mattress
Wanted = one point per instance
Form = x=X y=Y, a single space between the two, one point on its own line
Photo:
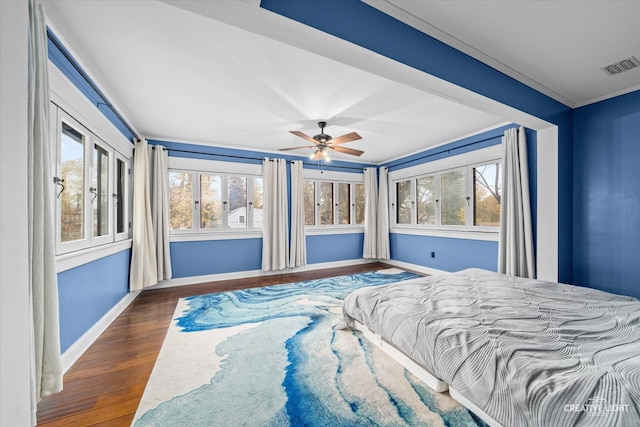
x=526 y=352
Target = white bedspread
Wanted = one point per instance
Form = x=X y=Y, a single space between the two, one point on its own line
x=527 y=352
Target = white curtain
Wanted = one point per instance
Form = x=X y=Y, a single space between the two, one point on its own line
x=298 y=247
x=370 y=247
x=275 y=234
x=143 y=253
x=382 y=238
x=46 y=362
x=515 y=251
x=160 y=209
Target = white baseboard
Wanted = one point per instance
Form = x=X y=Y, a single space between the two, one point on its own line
x=255 y=273
x=78 y=348
x=415 y=267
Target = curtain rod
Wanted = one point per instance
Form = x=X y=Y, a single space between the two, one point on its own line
x=442 y=151
x=232 y=156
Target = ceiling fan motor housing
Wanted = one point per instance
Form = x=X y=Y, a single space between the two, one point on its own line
x=322 y=138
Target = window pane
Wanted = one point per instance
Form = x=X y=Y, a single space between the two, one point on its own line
x=326 y=203
x=425 y=194
x=121 y=172
x=487 y=191
x=359 y=195
x=237 y=186
x=210 y=201
x=100 y=191
x=452 y=185
x=309 y=203
x=258 y=192
x=403 y=202
x=180 y=200
x=72 y=198
x=344 y=203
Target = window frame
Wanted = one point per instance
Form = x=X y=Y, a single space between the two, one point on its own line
x=335 y=183
x=122 y=198
x=110 y=235
x=196 y=200
x=467 y=162
x=58 y=118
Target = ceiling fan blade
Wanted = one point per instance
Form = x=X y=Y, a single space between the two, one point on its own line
x=347 y=150
x=296 y=148
x=303 y=136
x=345 y=138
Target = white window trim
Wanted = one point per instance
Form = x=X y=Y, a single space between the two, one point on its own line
x=125 y=200
x=436 y=168
x=110 y=236
x=70 y=103
x=334 y=178
x=196 y=167
x=57 y=118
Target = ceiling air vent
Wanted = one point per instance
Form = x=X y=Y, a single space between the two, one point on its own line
x=621 y=66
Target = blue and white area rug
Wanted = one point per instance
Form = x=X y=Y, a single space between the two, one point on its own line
x=271 y=357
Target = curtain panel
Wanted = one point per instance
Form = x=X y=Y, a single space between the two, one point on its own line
x=46 y=364
x=515 y=249
x=298 y=246
x=370 y=246
x=275 y=234
x=382 y=237
x=160 y=209
x=143 y=253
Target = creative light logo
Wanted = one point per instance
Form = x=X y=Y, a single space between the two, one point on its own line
x=597 y=406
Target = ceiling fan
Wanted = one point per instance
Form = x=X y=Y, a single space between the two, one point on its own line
x=323 y=142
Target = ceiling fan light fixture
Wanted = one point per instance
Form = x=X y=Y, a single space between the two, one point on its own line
x=321 y=154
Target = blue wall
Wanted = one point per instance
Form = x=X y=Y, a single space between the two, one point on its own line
x=607 y=195
x=450 y=254
x=88 y=292
x=199 y=258
x=334 y=247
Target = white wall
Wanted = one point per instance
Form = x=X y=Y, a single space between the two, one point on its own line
x=15 y=402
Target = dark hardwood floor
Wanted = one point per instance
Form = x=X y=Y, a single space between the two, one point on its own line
x=104 y=386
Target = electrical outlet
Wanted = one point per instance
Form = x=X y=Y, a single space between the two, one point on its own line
x=433 y=254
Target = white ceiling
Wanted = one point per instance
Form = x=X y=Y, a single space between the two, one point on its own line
x=189 y=71
x=559 y=47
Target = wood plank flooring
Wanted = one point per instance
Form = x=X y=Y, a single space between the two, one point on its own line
x=105 y=385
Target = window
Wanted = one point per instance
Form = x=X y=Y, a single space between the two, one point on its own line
x=100 y=191
x=333 y=204
x=460 y=198
x=359 y=202
x=91 y=191
x=120 y=195
x=326 y=203
x=452 y=197
x=487 y=192
x=404 y=202
x=181 y=200
x=344 y=203
x=218 y=202
x=71 y=196
x=309 y=203
x=426 y=200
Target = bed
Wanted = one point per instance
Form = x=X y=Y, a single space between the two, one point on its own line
x=517 y=352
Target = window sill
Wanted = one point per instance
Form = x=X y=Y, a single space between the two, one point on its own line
x=219 y=235
x=319 y=231
x=491 y=236
x=84 y=256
